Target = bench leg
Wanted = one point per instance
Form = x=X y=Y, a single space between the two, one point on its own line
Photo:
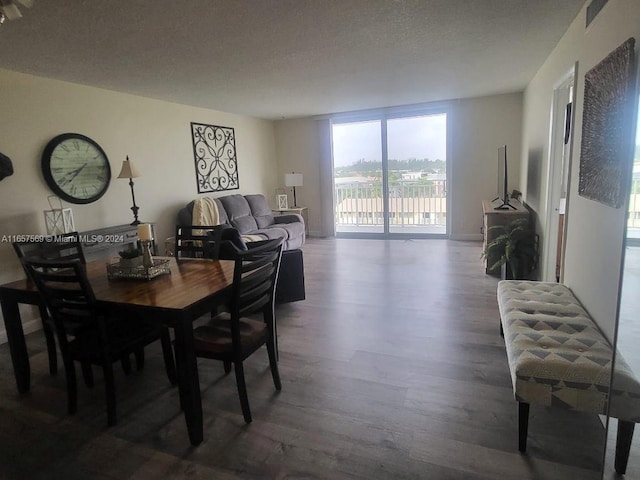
x=623 y=445
x=523 y=425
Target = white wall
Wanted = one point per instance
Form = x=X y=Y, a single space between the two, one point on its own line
x=298 y=150
x=479 y=126
x=594 y=231
x=156 y=135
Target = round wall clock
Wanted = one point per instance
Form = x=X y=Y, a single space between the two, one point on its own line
x=76 y=168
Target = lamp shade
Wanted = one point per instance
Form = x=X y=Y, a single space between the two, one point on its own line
x=128 y=170
x=293 y=180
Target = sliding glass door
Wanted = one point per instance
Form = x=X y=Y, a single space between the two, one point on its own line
x=417 y=188
x=358 y=177
x=390 y=175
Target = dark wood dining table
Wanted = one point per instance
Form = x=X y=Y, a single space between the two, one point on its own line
x=191 y=290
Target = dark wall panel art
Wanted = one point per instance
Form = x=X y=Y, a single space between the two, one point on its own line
x=606 y=127
x=214 y=152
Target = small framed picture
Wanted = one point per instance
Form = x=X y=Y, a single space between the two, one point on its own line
x=283 y=201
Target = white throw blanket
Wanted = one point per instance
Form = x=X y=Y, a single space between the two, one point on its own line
x=205 y=212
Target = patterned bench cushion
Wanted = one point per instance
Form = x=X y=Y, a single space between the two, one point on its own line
x=557 y=355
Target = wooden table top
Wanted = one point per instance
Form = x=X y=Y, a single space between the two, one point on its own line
x=190 y=281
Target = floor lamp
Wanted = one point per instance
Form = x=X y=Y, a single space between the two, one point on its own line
x=130 y=172
x=293 y=180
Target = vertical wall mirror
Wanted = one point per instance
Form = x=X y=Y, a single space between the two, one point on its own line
x=628 y=332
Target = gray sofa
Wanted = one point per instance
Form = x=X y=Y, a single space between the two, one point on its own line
x=251 y=215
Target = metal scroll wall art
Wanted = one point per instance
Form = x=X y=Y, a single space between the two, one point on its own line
x=214 y=151
x=606 y=127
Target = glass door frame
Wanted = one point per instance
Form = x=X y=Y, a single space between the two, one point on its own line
x=383 y=116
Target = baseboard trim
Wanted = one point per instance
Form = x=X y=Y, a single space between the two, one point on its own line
x=464 y=237
x=467 y=237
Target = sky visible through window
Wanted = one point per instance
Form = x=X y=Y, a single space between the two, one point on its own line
x=412 y=137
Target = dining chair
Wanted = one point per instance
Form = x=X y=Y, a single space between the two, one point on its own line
x=197 y=241
x=232 y=336
x=97 y=338
x=64 y=246
x=232 y=245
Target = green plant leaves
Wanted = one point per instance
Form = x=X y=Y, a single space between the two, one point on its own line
x=516 y=245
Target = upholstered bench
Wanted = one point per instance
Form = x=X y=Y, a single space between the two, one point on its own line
x=559 y=358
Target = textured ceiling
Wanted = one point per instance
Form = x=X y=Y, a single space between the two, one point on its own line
x=288 y=58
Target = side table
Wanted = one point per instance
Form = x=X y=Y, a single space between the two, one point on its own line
x=302 y=211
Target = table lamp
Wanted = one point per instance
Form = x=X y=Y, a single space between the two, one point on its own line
x=293 y=180
x=130 y=172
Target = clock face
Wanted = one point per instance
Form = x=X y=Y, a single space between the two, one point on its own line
x=76 y=168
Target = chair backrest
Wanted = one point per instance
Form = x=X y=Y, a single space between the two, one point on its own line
x=65 y=290
x=197 y=241
x=255 y=277
x=230 y=243
x=63 y=247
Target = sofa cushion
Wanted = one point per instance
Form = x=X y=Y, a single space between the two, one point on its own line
x=221 y=212
x=294 y=242
x=260 y=210
x=239 y=213
x=294 y=230
x=245 y=224
x=272 y=232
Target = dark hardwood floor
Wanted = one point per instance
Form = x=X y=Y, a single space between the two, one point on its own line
x=392 y=368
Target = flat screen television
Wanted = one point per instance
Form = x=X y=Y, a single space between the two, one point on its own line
x=502 y=199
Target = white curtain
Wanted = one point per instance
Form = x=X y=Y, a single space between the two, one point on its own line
x=327 y=226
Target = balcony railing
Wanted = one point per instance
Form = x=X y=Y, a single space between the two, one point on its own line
x=360 y=204
x=633 y=219
x=410 y=204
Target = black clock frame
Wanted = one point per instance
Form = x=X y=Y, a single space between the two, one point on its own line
x=48 y=176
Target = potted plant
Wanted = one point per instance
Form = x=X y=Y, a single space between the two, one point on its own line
x=516 y=249
x=131 y=257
